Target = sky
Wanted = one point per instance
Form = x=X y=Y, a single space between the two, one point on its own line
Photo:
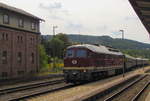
x=86 y=17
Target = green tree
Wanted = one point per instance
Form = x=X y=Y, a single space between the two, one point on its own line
x=56 y=47
x=43 y=57
x=64 y=38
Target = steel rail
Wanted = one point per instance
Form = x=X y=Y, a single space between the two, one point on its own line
x=29 y=86
x=141 y=91
x=123 y=89
x=23 y=98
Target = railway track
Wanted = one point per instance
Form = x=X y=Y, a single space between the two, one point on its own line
x=67 y=94
x=21 y=92
x=38 y=93
x=125 y=93
x=137 y=96
x=28 y=79
x=28 y=86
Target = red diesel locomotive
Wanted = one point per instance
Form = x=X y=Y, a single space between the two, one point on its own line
x=87 y=62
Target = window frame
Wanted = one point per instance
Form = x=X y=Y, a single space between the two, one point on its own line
x=4 y=57
x=81 y=55
x=33 y=25
x=19 y=57
x=3 y=36
x=5 y=22
x=21 y=24
x=32 y=58
x=73 y=53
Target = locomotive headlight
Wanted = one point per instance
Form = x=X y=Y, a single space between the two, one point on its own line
x=84 y=70
x=74 y=62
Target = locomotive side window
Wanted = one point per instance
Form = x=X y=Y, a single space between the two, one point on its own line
x=69 y=53
x=81 y=53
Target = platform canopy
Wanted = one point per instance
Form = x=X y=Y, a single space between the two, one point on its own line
x=142 y=8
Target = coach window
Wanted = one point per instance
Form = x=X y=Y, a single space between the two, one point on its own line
x=5 y=19
x=70 y=53
x=81 y=53
x=4 y=57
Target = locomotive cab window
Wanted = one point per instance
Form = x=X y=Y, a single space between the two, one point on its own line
x=81 y=53
x=70 y=53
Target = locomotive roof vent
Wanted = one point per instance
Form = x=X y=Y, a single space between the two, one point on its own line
x=113 y=50
x=97 y=44
x=110 y=47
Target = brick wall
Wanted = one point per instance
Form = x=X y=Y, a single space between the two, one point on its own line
x=22 y=52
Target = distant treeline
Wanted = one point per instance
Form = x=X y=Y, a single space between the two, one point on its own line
x=138 y=53
x=55 y=46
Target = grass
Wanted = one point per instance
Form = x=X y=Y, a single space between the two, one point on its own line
x=52 y=68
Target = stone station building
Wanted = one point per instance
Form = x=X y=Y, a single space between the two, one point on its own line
x=19 y=39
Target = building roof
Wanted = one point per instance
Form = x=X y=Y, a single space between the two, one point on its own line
x=20 y=11
x=97 y=49
x=142 y=8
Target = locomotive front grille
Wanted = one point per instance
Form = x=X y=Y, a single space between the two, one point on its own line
x=77 y=74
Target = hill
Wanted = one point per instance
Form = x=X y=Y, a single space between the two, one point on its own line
x=106 y=40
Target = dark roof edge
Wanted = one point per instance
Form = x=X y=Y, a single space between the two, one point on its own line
x=134 y=6
x=20 y=11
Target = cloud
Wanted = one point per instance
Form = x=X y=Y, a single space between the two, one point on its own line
x=131 y=18
x=101 y=17
x=103 y=28
x=55 y=10
x=51 y=6
x=74 y=26
x=54 y=7
x=116 y=33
